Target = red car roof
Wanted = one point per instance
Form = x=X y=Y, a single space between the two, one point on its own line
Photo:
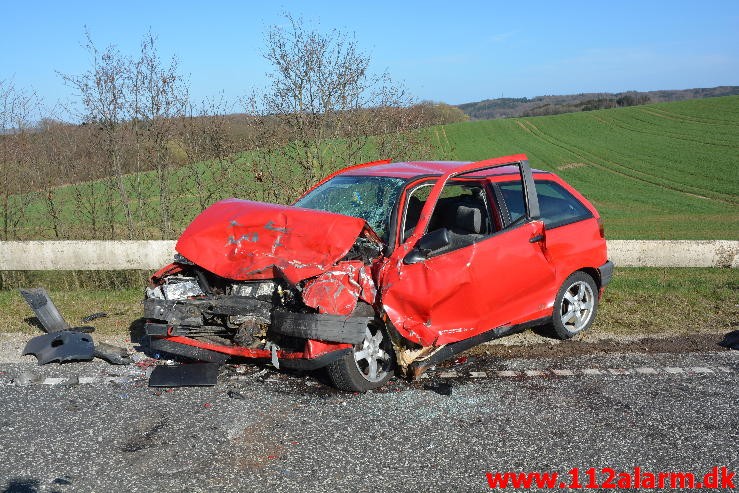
x=410 y=169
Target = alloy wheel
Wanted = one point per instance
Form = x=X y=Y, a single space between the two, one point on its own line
x=577 y=306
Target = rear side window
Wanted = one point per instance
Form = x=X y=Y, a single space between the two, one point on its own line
x=557 y=206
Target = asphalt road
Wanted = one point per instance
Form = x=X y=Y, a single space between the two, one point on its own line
x=280 y=432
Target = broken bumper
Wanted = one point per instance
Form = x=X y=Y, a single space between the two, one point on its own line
x=606 y=272
x=180 y=318
x=180 y=327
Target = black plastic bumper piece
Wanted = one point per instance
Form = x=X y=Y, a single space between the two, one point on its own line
x=192 y=375
x=44 y=308
x=61 y=346
x=315 y=363
x=606 y=272
x=334 y=328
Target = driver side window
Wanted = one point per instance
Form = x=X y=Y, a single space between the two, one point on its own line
x=414 y=205
x=462 y=209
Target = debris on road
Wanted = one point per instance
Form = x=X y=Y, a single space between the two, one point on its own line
x=235 y=395
x=441 y=388
x=93 y=316
x=189 y=375
x=26 y=378
x=731 y=340
x=64 y=345
x=112 y=354
x=45 y=310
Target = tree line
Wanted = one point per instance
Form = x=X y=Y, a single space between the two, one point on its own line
x=142 y=159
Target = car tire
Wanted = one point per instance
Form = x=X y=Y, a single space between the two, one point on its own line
x=575 y=305
x=370 y=364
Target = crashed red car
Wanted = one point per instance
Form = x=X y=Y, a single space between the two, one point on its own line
x=382 y=268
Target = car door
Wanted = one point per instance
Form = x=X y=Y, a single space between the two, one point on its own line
x=498 y=279
x=573 y=236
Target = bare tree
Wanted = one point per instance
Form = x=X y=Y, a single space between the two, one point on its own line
x=135 y=108
x=104 y=91
x=158 y=103
x=17 y=110
x=323 y=109
x=205 y=140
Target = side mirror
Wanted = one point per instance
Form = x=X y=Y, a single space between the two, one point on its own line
x=435 y=240
x=538 y=232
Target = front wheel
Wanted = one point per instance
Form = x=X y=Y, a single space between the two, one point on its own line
x=575 y=305
x=369 y=366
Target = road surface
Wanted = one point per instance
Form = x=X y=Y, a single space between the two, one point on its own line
x=96 y=427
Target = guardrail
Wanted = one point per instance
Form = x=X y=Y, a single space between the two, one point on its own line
x=149 y=255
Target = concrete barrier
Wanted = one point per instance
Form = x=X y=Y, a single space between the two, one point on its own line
x=85 y=255
x=674 y=253
x=149 y=255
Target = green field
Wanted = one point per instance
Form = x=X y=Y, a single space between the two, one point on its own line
x=661 y=171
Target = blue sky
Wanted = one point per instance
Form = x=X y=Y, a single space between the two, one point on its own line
x=441 y=50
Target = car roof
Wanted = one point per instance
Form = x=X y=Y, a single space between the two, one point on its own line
x=411 y=169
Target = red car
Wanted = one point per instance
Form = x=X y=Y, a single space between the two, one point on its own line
x=383 y=267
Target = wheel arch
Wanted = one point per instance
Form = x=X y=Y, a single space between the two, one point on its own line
x=592 y=272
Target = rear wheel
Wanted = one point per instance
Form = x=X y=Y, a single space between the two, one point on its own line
x=369 y=366
x=575 y=305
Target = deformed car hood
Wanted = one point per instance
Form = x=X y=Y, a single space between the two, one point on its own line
x=243 y=240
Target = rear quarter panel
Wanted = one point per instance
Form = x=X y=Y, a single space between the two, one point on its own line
x=574 y=247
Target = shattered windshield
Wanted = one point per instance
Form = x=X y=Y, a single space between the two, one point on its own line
x=371 y=198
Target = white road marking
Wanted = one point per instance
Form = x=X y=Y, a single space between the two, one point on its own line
x=569 y=372
x=450 y=374
x=54 y=380
x=534 y=373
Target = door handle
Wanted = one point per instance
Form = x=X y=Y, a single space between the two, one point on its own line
x=536 y=239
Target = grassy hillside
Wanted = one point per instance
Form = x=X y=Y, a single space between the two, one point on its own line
x=662 y=171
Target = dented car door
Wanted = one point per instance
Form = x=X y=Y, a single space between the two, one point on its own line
x=462 y=290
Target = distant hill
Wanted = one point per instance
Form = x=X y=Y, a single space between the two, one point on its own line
x=490 y=109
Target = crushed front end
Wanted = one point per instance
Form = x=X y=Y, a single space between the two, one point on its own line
x=270 y=283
